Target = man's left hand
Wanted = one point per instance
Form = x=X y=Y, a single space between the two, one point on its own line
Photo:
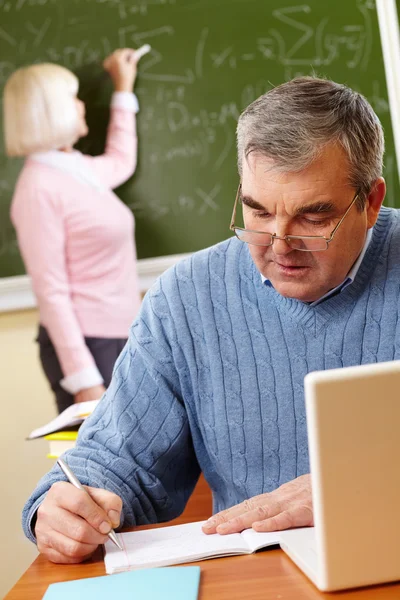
x=288 y=506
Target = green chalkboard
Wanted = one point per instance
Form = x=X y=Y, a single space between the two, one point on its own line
x=210 y=59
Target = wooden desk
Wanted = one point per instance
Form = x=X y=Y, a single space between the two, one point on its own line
x=268 y=575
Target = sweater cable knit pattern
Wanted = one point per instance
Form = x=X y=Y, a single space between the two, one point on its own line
x=212 y=377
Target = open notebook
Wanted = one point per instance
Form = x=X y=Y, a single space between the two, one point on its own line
x=179 y=544
x=73 y=415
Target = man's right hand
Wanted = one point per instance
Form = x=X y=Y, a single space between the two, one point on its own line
x=71 y=523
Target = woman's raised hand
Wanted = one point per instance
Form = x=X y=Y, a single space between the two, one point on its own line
x=122 y=67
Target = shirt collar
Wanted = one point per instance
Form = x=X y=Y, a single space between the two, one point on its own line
x=70 y=162
x=351 y=275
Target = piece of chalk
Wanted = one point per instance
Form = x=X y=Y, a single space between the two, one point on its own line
x=142 y=51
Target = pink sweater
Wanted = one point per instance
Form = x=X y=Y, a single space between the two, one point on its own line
x=77 y=241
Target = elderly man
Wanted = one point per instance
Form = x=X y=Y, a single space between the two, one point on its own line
x=212 y=376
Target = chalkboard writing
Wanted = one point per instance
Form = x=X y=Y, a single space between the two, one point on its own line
x=209 y=60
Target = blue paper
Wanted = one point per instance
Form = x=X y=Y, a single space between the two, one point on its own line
x=170 y=583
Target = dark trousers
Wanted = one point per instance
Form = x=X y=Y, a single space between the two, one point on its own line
x=105 y=352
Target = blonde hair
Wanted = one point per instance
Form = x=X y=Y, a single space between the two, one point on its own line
x=39 y=109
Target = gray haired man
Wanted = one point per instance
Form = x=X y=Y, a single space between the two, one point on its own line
x=211 y=378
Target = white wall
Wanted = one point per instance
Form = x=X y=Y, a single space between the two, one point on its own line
x=26 y=403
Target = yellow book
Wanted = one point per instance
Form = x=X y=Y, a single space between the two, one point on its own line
x=60 y=441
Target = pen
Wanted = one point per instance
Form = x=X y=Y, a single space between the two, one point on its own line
x=72 y=479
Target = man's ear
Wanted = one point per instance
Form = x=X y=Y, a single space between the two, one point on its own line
x=374 y=201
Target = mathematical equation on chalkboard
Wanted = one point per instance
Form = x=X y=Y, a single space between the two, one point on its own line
x=200 y=74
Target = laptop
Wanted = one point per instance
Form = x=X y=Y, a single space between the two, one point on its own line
x=353 y=417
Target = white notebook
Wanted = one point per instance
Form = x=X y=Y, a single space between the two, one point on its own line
x=179 y=544
x=73 y=415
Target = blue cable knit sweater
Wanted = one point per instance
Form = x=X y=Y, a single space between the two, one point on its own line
x=212 y=376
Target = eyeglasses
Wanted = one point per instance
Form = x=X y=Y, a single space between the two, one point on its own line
x=304 y=243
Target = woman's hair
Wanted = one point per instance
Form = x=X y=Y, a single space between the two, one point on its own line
x=39 y=109
x=293 y=122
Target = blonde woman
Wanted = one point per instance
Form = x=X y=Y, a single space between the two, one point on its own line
x=76 y=237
